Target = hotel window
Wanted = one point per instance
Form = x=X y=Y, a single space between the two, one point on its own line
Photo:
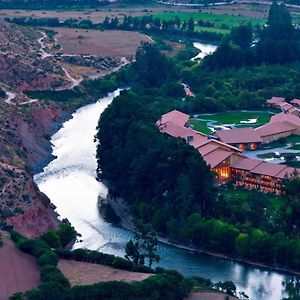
x=223 y=172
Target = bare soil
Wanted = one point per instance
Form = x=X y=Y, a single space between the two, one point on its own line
x=93 y=14
x=82 y=273
x=19 y=271
x=208 y=296
x=114 y=43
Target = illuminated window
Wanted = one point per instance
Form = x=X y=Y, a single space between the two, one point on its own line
x=252 y=146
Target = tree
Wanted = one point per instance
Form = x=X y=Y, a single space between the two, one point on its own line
x=151 y=68
x=242 y=36
x=144 y=245
x=191 y=25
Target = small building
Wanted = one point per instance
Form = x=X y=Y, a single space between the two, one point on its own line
x=174 y=116
x=294 y=111
x=284 y=106
x=296 y=103
x=274 y=131
x=243 y=138
x=274 y=100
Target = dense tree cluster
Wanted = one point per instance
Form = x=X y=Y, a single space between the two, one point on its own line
x=147 y=24
x=54 y=285
x=278 y=42
x=243 y=88
x=252 y=243
x=164 y=180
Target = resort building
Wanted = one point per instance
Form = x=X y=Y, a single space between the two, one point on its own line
x=226 y=160
x=284 y=106
x=274 y=101
x=243 y=138
x=257 y=174
x=274 y=131
x=296 y=103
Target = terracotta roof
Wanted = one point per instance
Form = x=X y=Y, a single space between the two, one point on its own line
x=286 y=117
x=216 y=157
x=295 y=101
x=293 y=110
x=284 y=105
x=182 y=132
x=274 y=128
x=198 y=142
x=209 y=147
x=268 y=169
x=288 y=171
x=239 y=135
x=275 y=100
x=174 y=116
x=246 y=164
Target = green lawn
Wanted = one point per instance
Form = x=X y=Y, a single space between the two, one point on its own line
x=200 y=126
x=200 y=123
x=237 y=117
x=212 y=29
x=221 y=22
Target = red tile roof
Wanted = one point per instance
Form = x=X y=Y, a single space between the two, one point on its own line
x=287 y=172
x=295 y=101
x=174 y=116
x=268 y=169
x=182 y=132
x=275 y=100
x=284 y=105
x=274 y=128
x=239 y=136
x=246 y=164
x=286 y=117
x=216 y=157
x=209 y=147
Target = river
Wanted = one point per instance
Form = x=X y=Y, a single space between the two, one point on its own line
x=69 y=181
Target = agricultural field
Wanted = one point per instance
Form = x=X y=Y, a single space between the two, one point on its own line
x=18 y=271
x=204 y=122
x=219 y=22
x=113 y=43
x=82 y=273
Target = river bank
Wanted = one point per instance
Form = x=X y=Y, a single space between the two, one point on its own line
x=127 y=222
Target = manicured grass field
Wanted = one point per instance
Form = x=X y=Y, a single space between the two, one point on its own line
x=200 y=123
x=200 y=126
x=237 y=117
x=221 y=22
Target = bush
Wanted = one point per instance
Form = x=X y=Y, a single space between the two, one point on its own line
x=25 y=245
x=122 y=263
x=66 y=234
x=48 y=258
x=52 y=239
x=51 y=273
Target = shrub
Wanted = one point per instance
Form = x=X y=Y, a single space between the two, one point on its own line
x=52 y=239
x=48 y=258
x=51 y=273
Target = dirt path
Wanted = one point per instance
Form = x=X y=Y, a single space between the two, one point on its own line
x=9 y=97
x=81 y=273
x=18 y=271
x=43 y=46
